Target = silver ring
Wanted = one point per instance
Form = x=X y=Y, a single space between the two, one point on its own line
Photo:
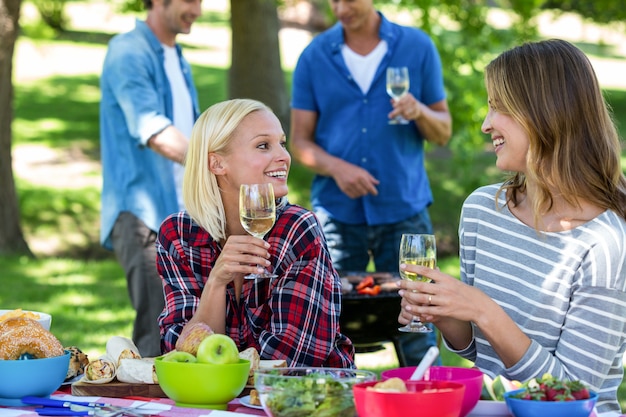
x=430 y=299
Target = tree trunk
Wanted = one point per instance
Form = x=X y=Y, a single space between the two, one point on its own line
x=11 y=237
x=256 y=70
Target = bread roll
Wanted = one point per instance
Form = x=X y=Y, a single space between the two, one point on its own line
x=272 y=363
x=191 y=336
x=78 y=362
x=119 y=347
x=252 y=355
x=20 y=336
x=100 y=371
x=137 y=371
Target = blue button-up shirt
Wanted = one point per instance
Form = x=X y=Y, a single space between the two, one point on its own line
x=136 y=103
x=354 y=126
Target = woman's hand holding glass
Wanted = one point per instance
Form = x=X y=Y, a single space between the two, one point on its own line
x=441 y=299
x=257 y=212
x=241 y=255
x=417 y=249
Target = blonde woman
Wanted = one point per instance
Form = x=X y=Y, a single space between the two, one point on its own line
x=204 y=252
x=543 y=255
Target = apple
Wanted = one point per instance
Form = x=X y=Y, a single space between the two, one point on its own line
x=191 y=336
x=176 y=356
x=218 y=349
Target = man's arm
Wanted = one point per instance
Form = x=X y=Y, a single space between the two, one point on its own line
x=434 y=122
x=171 y=143
x=354 y=181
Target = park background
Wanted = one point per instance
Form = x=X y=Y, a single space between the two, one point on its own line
x=55 y=150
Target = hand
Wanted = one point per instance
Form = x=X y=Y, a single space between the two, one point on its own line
x=240 y=256
x=354 y=181
x=407 y=106
x=445 y=297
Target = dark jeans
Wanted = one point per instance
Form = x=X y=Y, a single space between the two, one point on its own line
x=133 y=244
x=351 y=247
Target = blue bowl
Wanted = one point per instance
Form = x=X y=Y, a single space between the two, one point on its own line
x=533 y=408
x=36 y=377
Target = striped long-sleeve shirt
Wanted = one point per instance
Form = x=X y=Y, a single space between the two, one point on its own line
x=565 y=290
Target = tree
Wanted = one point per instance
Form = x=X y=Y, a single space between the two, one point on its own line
x=11 y=236
x=256 y=70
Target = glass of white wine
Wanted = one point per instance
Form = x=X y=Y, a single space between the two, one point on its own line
x=397 y=86
x=417 y=249
x=257 y=213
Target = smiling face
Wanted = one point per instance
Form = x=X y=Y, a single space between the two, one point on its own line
x=177 y=16
x=510 y=140
x=257 y=154
x=353 y=14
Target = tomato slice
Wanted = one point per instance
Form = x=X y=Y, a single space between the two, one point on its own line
x=366 y=282
x=375 y=290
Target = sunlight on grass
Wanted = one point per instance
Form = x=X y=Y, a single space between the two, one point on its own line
x=88 y=300
x=34 y=128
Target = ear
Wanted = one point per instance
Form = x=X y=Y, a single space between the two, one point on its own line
x=216 y=164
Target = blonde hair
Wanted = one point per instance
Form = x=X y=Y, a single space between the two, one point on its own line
x=212 y=133
x=551 y=89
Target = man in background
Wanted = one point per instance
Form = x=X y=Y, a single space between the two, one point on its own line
x=371 y=185
x=148 y=108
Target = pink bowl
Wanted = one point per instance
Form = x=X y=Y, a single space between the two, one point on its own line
x=472 y=378
x=427 y=398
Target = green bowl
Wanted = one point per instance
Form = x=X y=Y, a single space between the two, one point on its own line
x=202 y=385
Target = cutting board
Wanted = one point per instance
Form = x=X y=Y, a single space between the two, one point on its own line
x=116 y=389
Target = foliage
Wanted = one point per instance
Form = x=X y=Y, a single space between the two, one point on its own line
x=466 y=43
x=52 y=12
x=129 y=5
x=599 y=11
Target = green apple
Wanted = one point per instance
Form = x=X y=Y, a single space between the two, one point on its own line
x=218 y=349
x=176 y=356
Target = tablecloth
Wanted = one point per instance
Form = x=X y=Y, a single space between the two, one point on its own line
x=163 y=407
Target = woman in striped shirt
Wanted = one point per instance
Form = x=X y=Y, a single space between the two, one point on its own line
x=543 y=254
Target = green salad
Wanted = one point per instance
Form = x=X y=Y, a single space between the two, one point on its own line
x=313 y=395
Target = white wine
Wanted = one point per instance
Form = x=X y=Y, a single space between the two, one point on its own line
x=398 y=90
x=257 y=226
x=410 y=276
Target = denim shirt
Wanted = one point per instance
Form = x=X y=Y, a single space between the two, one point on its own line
x=353 y=125
x=136 y=103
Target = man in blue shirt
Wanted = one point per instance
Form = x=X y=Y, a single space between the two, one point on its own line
x=371 y=184
x=148 y=107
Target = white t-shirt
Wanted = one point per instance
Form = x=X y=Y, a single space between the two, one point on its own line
x=183 y=110
x=363 y=68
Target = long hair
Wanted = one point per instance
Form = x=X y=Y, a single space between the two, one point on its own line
x=212 y=132
x=551 y=89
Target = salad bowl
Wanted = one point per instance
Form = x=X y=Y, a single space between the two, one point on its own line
x=309 y=391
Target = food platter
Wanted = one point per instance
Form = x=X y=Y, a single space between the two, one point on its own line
x=73 y=380
x=486 y=408
x=246 y=401
x=117 y=389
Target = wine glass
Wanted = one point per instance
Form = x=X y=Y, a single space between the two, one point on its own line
x=417 y=249
x=257 y=213
x=397 y=86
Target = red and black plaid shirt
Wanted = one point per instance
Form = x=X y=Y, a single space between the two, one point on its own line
x=293 y=317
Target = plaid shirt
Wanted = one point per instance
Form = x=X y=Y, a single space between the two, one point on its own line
x=293 y=317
